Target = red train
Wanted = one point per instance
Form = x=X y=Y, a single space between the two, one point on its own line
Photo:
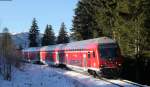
x=97 y=56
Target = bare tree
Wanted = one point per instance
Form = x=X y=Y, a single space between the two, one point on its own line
x=8 y=54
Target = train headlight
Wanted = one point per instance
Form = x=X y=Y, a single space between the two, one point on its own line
x=119 y=64
x=102 y=65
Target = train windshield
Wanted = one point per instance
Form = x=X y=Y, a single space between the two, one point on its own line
x=108 y=51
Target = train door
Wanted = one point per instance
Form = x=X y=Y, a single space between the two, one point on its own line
x=66 y=56
x=84 y=62
x=42 y=56
x=61 y=57
x=57 y=58
x=89 y=59
x=28 y=58
x=38 y=56
x=50 y=57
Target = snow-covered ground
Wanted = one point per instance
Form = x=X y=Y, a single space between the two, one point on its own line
x=44 y=76
x=38 y=76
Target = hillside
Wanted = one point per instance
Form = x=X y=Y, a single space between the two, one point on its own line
x=22 y=39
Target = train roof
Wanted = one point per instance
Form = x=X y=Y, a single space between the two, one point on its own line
x=32 y=49
x=53 y=47
x=79 y=44
x=84 y=43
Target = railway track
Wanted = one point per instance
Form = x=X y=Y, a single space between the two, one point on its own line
x=112 y=82
x=133 y=83
x=115 y=82
x=119 y=82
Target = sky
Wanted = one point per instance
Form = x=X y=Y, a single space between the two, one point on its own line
x=17 y=15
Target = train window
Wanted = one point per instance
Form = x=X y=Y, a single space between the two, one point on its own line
x=88 y=54
x=93 y=54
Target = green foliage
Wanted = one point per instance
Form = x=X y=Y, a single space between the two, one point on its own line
x=33 y=34
x=49 y=36
x=126 y=21
x=84 y=22
x=63 y=36
x=147 y=20
x=133 y=36
x=106 y=16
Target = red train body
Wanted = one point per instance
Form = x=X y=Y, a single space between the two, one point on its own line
x=31 y=54
x=98 y=55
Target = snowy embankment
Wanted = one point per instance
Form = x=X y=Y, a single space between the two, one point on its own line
x=38 y=76
x=90 y=81
x=44 y=76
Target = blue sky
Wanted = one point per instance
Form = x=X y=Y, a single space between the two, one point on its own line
x=17 y=15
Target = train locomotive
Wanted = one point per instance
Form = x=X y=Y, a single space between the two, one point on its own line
x=99 y=56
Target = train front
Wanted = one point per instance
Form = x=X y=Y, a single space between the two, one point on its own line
x=110 y=59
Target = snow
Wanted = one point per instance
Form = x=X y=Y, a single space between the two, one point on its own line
x=90 y=81
x=44 y=76
x=37 y=76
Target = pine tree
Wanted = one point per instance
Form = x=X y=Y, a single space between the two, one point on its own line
x=84 y=22
x=49 y=36
x=63 y=36
x=107 y=16
x=147 y=20
x=126 y=21
x=123 y=20
x=34 y=34
x=131 y=29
